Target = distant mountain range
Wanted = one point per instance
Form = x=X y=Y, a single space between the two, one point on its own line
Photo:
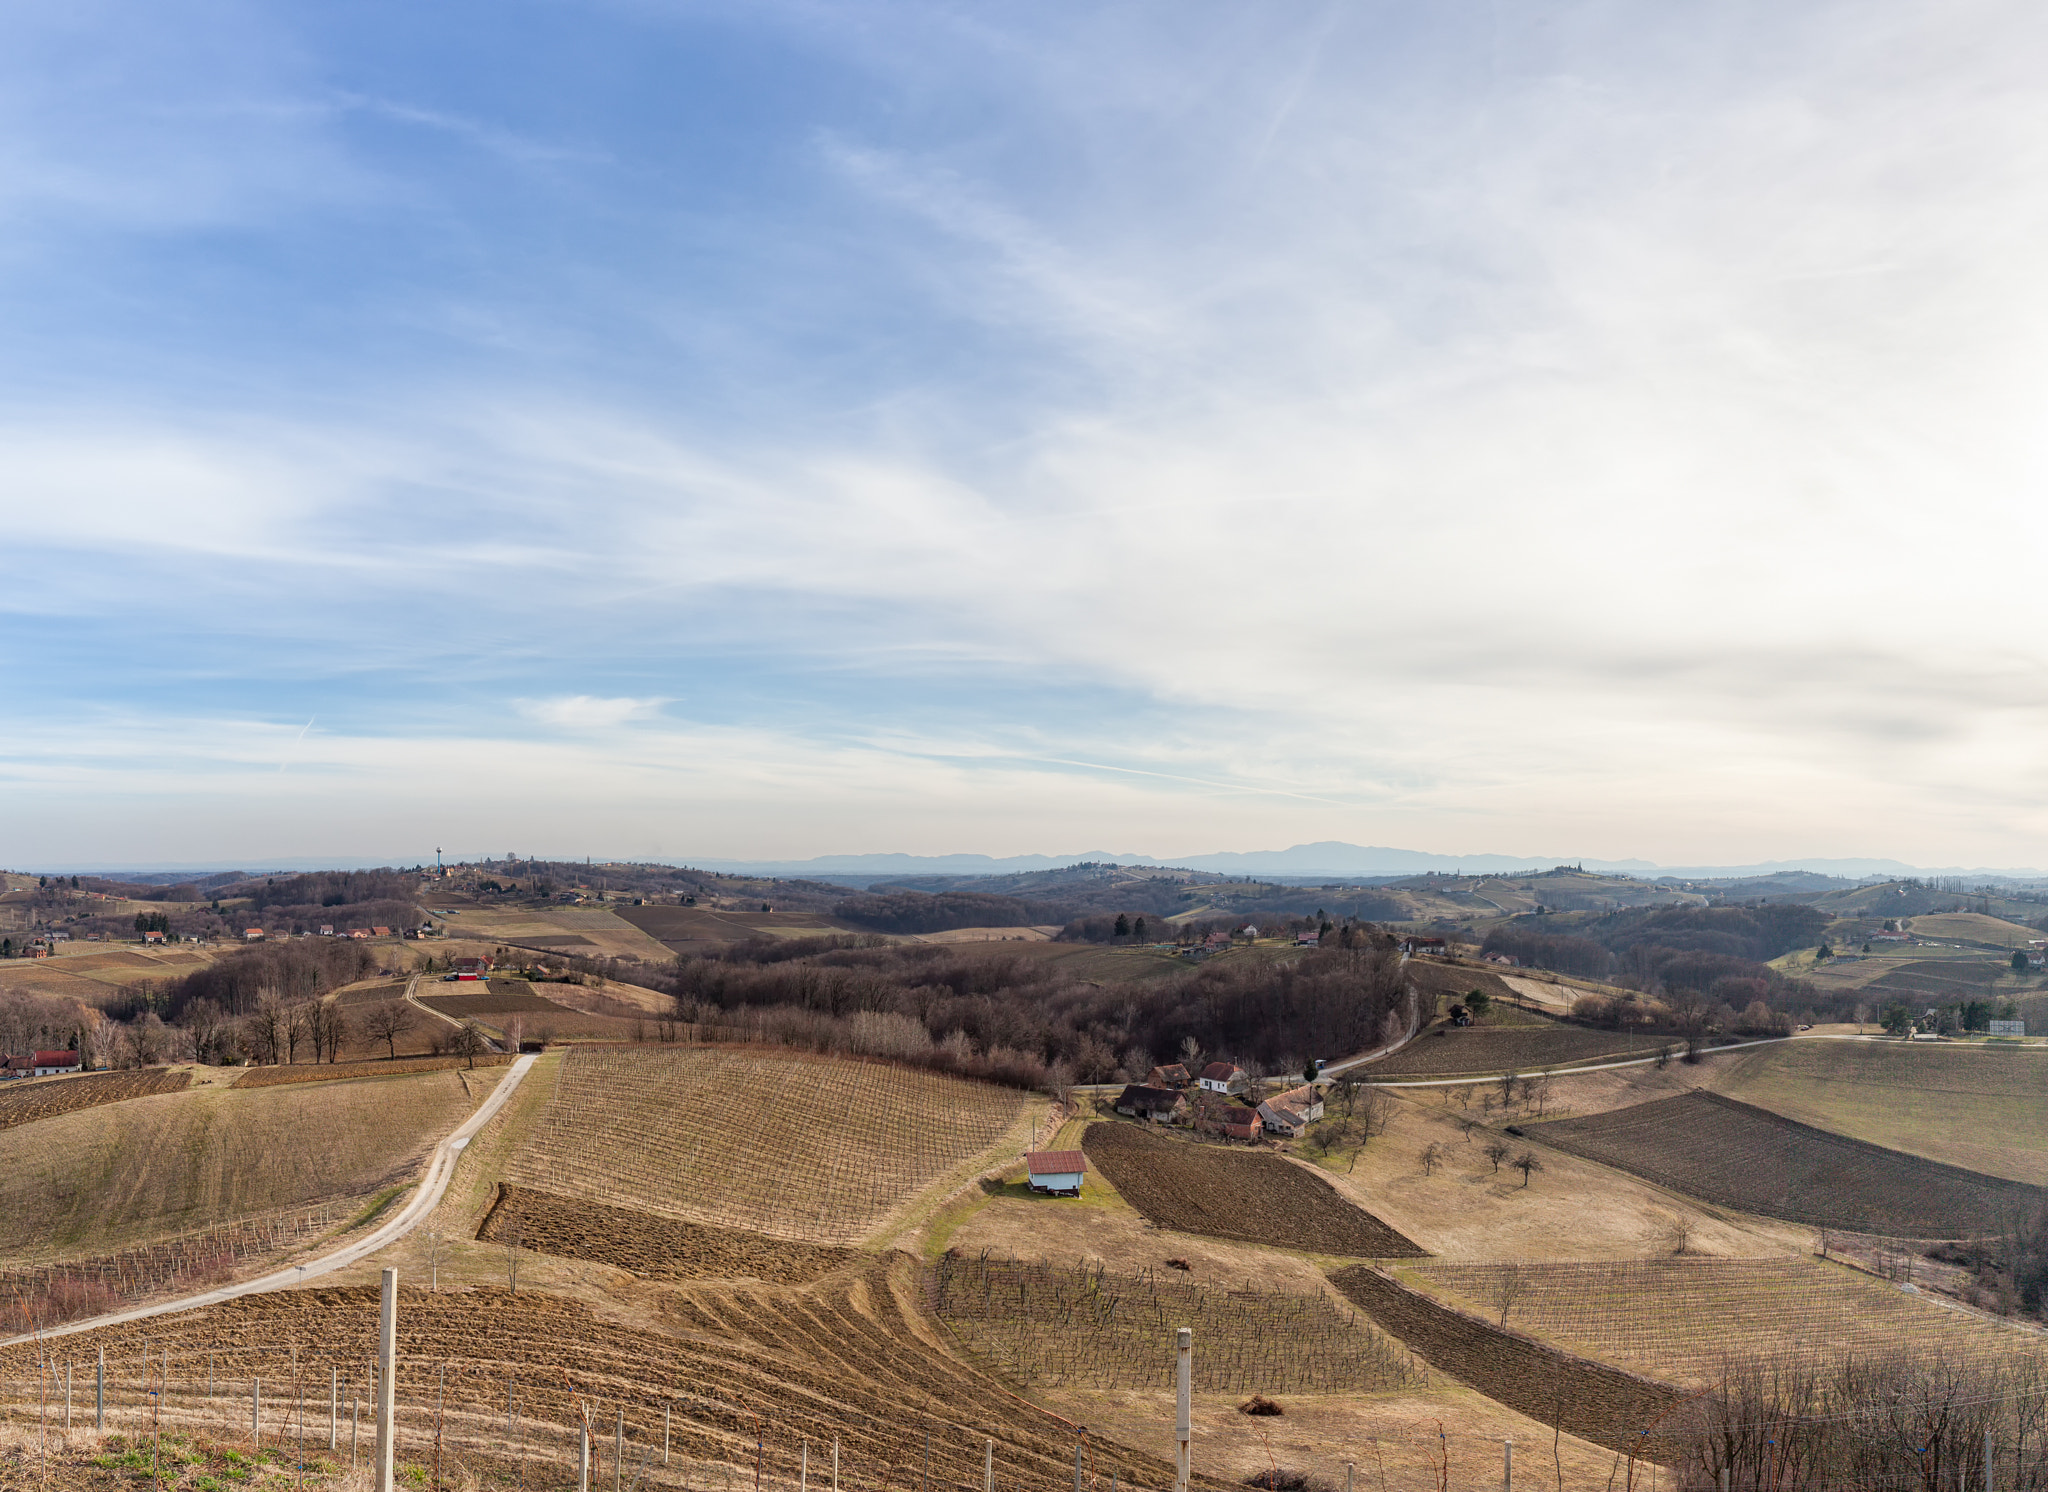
x=1328 y=857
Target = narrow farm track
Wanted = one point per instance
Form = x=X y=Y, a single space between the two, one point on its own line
x=426 y=1196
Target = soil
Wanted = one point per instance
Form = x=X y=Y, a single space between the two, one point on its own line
x=1748 y=1158
x=1232 y=1193
x=654 y=1248
x=53 y=1096
x=327 y=1072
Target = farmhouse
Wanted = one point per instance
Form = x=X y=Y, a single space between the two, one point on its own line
x=35 y=950
x=252 y=934
x=1422 y=945
x=1222 y=1077
x=1057 y=1173
x=380 y=932
x=327 y=929
x=1292 y=1112
x=475 y=968
x=1174 y=1075
x=1308 y=940
x=1150 y=1103
x=152 y=936
x=1236 y=1121
x=49 y=1064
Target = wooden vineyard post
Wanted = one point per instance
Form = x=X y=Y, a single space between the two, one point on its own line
x=1987 y=1459
x=835 y=1463
x=666 y=1409
x=618 y=1448
x=1507 y=1466
x=988 y=1466
x=67 y=1398
x=1183 y=1420
x=255 y=1414
x=99 y=1397
x=1077 y=1464
x=387 y=1363
x=582 y=1457
x=803 y=1467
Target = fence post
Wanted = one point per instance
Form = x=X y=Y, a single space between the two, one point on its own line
x=835 y=1463
x=255 y=1414
x=333 y=1407
x=1077 y=1464
x=387 y=1373
x=1507 y=1466
x=619 y=1448
x=67 y=1398
x=666 y=1410
x=1183 y=1421
x=583 y=1457
x=803 y=1468
x=1987 y=1459
x=99 y=1397
x=1349 y=1467
x=988 y=1466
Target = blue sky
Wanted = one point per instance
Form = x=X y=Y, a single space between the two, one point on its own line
x=773 y=429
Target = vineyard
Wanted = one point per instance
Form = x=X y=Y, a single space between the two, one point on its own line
x=1588 y=1399
x=184 y=1162
x=1746 y=1158
x=795 y=1146
x=1242 y=1194
x=43 y=1295
x=314 y=1072
x=490 y=1380
x=655 y=1248
x=1043 y=1326
x=522 y=1001
x=45 y=1100
x=1452 y=1051
x=1684 y=1318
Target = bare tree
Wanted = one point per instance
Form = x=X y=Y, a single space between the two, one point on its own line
x=1432 y=1156
x=468 y=1041
x=1376 y=1110
x=1467 y=1125
x=1508 y=1288
x=1537 y=1091
x=1678 y=1233
x=1508 y=1082
x=298 y=1032
x=1498 y=1151
x=263 y=1029
x=1527 y=1162
x=389 y=1021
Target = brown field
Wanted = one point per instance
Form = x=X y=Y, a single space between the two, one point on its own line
x=822 y=1149
x=1449 y=1051
x=1681 y=1319
x=496 y=1002
x=1233 y=1193
x=1983 y=1108
x=332 y=1072
x=370 y=992
x=655 y=1248
x=26 y=1101
x=697 y=929
x=1585 y=1398
x=180 y=1162
x=1039 y=1325
x=593 y=932
x=1737 y=1156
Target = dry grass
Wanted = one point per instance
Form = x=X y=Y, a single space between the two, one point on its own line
x=795 y=1146
x=1682 y=1318
x=185 y=1161
x=334 y=1072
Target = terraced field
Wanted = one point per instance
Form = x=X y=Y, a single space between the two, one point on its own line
x=289 y=1073
x=48 y=1097
x=726 y=1371
x=820 y=1149
x=1682 y=1319
x=1451 y=1051
x=1754 y=1161
x=655 y=1248
x=1045 y=1326
x=1242 y=1194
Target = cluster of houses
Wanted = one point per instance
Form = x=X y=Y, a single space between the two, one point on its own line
x=1220 y=1100
x=38 y=1064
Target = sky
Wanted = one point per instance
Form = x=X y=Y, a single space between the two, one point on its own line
x=658 y=429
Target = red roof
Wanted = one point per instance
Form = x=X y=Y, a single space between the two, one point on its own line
x=1055 y=1162
x=56 y=1059
x=1219 y=1072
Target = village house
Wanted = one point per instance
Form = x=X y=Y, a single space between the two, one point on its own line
x=1292 y=1112
x=35 y=950
x=477 y=966
x=1169 y=1075
x=152 y=936
x=1142 y=1102
x=1417 y=944
x=327 y=929
x=1056 y=1173
x=252 y=934
x=41 y=1064
x=380 y=932
x=1308 y=940
x=1236 y=1121
x=1222 y=1077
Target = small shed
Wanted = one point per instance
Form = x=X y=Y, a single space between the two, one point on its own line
x=1057 y=1173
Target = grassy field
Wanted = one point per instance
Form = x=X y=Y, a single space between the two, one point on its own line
x=1972 y=927
x=1733 y=1155
x=1680 y=1319
x=813 y=1148
x=1527 y=1044
x=184 y=1161
x=1984 y=1108
x=586 y=932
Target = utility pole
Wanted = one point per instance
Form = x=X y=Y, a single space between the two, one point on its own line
x=387 y=1364
x=1183 y=1421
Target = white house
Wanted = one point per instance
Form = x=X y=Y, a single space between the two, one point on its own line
x=1057 y=1173
x=1222 y=1077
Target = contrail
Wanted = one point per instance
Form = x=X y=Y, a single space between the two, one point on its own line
x=296 y=739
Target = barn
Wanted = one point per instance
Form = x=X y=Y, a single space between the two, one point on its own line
x=1057 y=1173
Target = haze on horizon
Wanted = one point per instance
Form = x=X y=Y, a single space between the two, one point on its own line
x=702 y=430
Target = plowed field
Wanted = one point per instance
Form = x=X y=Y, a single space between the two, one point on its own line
x=53 y=1096
x=1746 y=1158
x=1451 y=1051
x=1241 y=1194
x=1595 y=1402
x=656 y=1248
x=315 y=1072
